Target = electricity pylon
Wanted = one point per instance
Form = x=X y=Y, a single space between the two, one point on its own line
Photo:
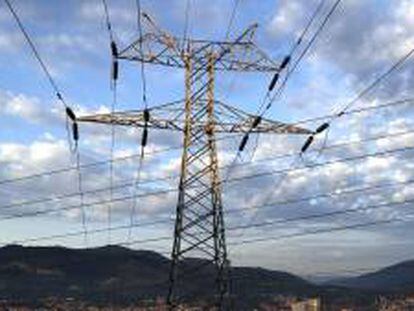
x=199 y=225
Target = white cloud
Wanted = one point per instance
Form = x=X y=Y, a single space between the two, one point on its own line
x=11 y=152
x=288 y=17
x=348 y=53
x=9 y=42
x=29 y=109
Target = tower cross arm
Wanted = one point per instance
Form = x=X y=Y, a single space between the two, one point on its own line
x=265 y=126
x=132 y=119
x=161 y=48
x=242 y=122
x=170 y=116
x=243 y=56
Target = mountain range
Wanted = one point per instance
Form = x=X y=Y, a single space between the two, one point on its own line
x=397 y=278
x=121 y=276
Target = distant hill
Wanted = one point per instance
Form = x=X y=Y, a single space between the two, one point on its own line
x=122 y=276
x=397 y=278
x=114 y=275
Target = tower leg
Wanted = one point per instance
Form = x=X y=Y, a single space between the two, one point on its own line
x=199 y=225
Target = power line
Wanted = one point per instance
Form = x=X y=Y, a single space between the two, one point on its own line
x=302 y=55
x=94 y=231
x=286 y=62
x=347 y=113
x=137 y=178
x=71 y=207
x=36 y=54
x=295 y=47
x=114 y=79
x=291 y=71
x=358 y=110
x=151 y=180
x=135 y=185
x=112 y=147
x=293 y=165
x=377 y=81
x=64 y=196
x=289 y=57
x=307 y=232
x=307 y=27
x=142 y=241
x=173 y=148
x=342 y=192
x=82 y=166
x=261 y=174
x=95 y=163
x=108 y=20
x=142 y=65
x=342 y=160
x=361 y=94
x=321 y=231
x=52 y=82
x=319 y=215
x=352 y=112
x=60 y=98
x=160 y=179
x=232 y=17
x=81 y=197
x=282 y=66
x=291 y=168
x=338 y=192
x=111 y=163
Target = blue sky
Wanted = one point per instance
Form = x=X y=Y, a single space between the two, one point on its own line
x=362 y=39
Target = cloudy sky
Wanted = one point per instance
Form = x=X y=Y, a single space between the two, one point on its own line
x=360 y=42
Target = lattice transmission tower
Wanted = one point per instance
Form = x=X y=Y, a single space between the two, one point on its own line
x=199 y=225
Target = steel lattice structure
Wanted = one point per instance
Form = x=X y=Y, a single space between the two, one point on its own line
x=199 y=226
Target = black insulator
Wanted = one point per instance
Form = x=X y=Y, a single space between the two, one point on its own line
x=115 y=70
x=273 y=82
x=146 y=115
x=75 y=131
x=144 y=137
x=286 y=61
x=114 y=49
x=307 y=144
x=59 y=96
x=322 y=128
x=243 y=142
x=256 y=121
x=70 y=114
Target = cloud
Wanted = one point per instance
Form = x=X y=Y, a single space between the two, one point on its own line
x=360 y=41
x=289 y=16
x=29 y=109
x=10 y=41
x=371 y=43
x=307 y=182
